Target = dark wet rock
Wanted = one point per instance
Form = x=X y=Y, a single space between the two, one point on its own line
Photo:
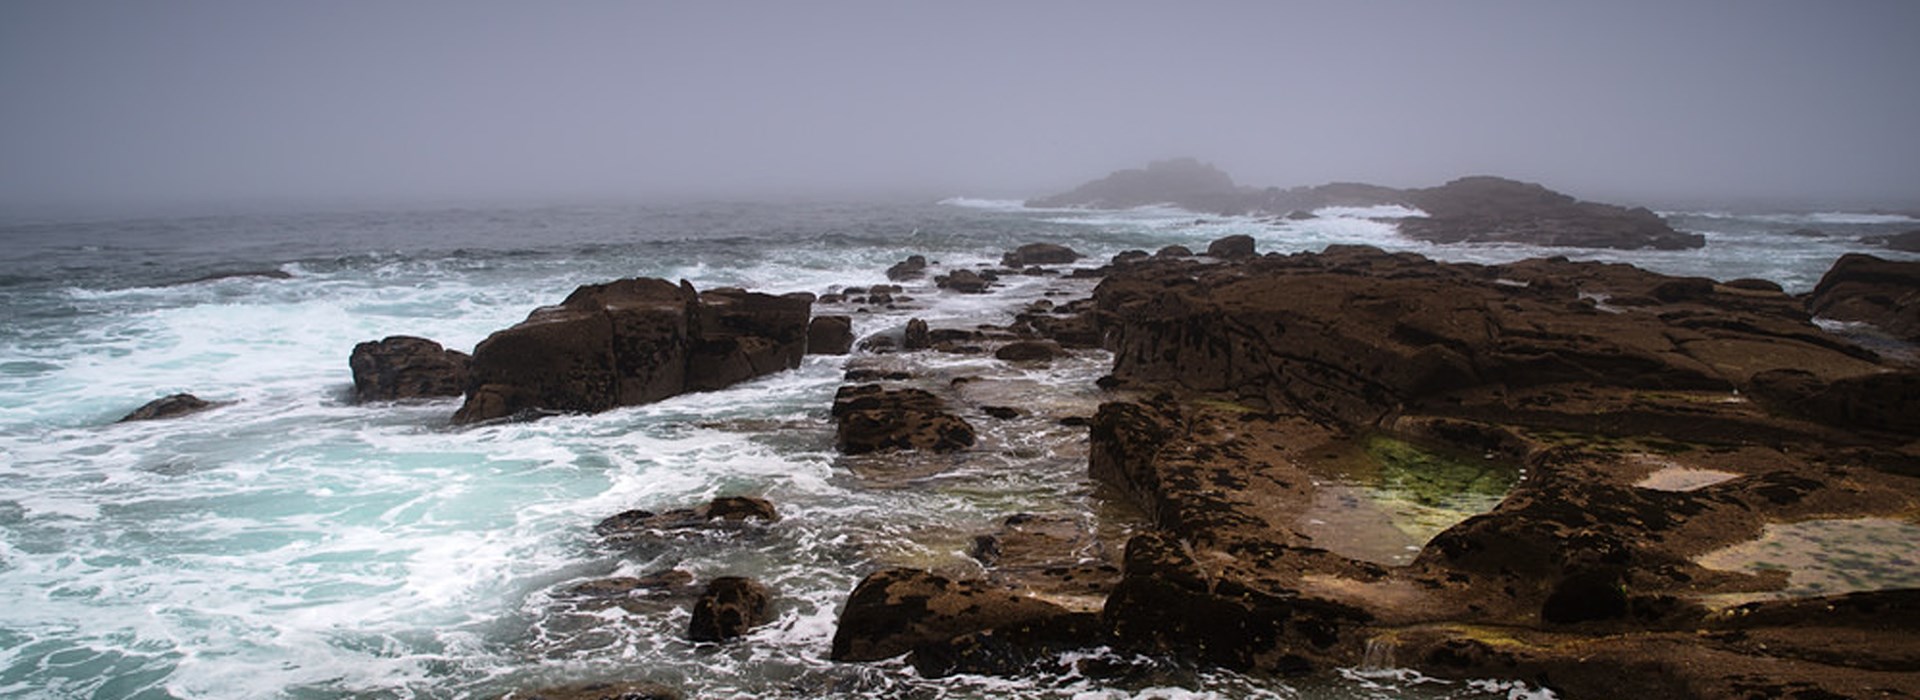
x=404 y=367
x=872 y=418
x=1864 y=288
x=1027 y=647
x=1028 y=351
x=1493 y=209
x=869 y=374
x=1174 y=251
x=914 y=267
x=242 y=274
x=169 y=407
x=830 y=335
x=1584 y=596
x=1038 y=254
x=1129 y=256
x=605 y=690
x=1888 y=401
x=917 y=336
x=668 y=583
x=1002 y=412
x=894 y=611
x=1754 y=285
x=964 y=281
x=725 y=509
x=730 y=607
x=1234 y=246
x=1908 y=241
x=1808 y=233
x=632 y=342
x=1300 y=215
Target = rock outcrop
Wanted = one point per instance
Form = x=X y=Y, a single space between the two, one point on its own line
x=873 y=418
x=1864 y=288
x=404 y=367
x=1039 y=254
x=632 y=342
x=724 y=509
x=895 y=611
x=1469 y=209
x=830 y=335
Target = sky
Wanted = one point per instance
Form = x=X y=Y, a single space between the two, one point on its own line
x=131 y=103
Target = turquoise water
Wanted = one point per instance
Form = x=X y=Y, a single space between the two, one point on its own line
x=293 y=544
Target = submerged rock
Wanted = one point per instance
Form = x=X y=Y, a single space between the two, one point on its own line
x=724 y=509
x=914 y=267
x=605 y=690
x=404 y=367
x=169 y=407
x=632 y=342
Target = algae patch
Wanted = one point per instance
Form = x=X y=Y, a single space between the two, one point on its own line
x=1381 y=498
x=1826 y=557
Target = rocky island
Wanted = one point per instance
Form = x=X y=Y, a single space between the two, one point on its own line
x=1476 y=209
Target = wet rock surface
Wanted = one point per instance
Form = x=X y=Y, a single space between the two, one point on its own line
x=1864 y=288
x=873 y=418
x=632 y=342
x=1230 y=381
x=173 y=406
x=730 y=607
x=405 y=367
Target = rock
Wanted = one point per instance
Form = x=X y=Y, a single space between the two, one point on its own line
x=607 y=690
x=729 y=608
x=1179 y=181
x=1888 y=401
x=1755 y=285
x=914 y=267
x=241 y=274
x=1229 y=247
x=404 y=367
x=1885 y=293
x=917 y=336
x=963 y=281
x=729 y=509
x=1583 y=596
x=1001 y=412
x=1808 y=233
x=169 y=407
x=1492 y=209
x=1028 y=351
x=830 y=335
x=1908 y=241
x=1301 y=215
x=1173 y=251
x=1128 y=256
x=872 y=418
x=671 y=582
x=1469 y=209
x=1038 y=254
x=893 y=611
x=632 y=342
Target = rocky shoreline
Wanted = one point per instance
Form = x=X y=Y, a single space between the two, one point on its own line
x=1237 y=379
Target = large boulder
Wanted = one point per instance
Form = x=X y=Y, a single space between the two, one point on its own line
x=1038 y=254
x=894 y=611
x=1864 y=288
x=873 y=418
x=830 y=335
x=1238 y=245
x=632 y=342
x=404 y=367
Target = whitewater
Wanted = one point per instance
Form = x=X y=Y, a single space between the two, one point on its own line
x=292 y=543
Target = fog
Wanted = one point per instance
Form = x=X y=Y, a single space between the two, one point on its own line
x=113 y=104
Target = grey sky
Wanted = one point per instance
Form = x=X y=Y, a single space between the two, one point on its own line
x=112 y=103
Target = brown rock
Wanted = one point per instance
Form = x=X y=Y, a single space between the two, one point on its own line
x=725 y=509
x=1038 y=254
x=606 y=690
x=631 y=342
x=917 y=336
x=830 y=335
x=1028 y=351
x=1864 y=288
x=404 y=367
x=914 y=267
x=873 y=418
x=1230 y=247
x=895 y=610
x=169 y=407
x=730 y=607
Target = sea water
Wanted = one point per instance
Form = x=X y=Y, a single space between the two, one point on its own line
x=292 y=543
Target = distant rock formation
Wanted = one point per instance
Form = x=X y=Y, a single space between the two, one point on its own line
x=631 y=342
x=1908 y=241
x=1467 y=210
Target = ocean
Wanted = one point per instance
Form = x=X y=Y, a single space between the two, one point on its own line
x=294 y=544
